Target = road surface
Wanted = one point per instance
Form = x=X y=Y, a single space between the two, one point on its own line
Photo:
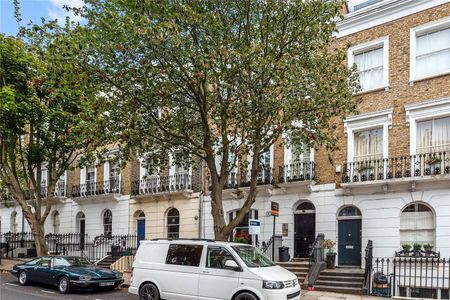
x=11 y=290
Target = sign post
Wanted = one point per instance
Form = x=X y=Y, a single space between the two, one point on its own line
x=254 y=228
x=275 y=212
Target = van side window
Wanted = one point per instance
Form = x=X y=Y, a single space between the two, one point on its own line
x=217 y=256
x=184 y=255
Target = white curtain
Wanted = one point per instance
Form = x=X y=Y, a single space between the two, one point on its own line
x=441 y=134
x=368 y=145
x=370 y=68
x=433 y=53
x=300 y=152
x=417 y=227
x=433 y=136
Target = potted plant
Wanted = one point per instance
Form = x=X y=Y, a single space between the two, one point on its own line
x=331 y=255
x=427 y=248
x=417 y=248
x=406 y=248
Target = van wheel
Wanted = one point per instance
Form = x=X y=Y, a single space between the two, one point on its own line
x=246 y=296
x=149 y=292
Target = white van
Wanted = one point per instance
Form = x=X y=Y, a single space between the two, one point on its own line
x=206 y=269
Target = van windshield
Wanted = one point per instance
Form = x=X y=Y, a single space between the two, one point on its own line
x=252 y=256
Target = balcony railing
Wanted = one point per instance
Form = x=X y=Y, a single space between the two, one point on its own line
x=397 y=167
x=300 y=171
x=60 y=189
x=162 y=184
x=97 y=188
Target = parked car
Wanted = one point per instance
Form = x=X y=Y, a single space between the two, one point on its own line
x=206 y=269
x=67 y=273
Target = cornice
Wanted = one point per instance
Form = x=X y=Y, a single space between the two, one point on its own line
x=381 y=13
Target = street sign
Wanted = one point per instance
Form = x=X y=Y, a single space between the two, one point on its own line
x=254 y=226
x=274 y=208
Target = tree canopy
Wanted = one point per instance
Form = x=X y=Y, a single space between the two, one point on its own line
x=47 y=117
x=217 y=79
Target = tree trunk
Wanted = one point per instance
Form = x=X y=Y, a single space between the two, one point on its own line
x=217 y=214
x=39 y=238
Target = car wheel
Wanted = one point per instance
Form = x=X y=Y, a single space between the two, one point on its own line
x=64 y=285
x=149 y=292
x=246 y=296
x=23 y=278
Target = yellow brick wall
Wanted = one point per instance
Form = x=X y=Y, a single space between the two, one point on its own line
x=400 y=91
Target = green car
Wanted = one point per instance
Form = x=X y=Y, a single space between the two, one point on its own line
x=67 y=273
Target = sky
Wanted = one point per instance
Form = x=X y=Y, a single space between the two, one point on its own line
x=50 y=9
x=33 y=10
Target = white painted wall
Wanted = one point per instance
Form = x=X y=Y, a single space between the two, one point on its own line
x=380 y=215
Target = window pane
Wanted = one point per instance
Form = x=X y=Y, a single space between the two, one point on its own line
x=185 y=255
x=368 y=145
x=217 y=257
x=433 y=53
x=417 y=225
x=370 y=68
x=433 y=135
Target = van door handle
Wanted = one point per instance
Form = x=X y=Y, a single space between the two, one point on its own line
x=205 y=271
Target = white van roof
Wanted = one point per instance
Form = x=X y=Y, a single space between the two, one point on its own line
x=190 y=241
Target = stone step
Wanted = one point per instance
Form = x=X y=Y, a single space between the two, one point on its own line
x=339 y=283
x=343 y=272
x=293 y=264
x=341 y=278
x=344 y=290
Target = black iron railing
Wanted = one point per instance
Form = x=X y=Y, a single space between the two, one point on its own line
x=270 y=247
x=67 y=243
x=97 y=188
x=60 y=189
x=17 y=244
x=297 y=172
x=114 y=245
x=412 y=277
x=397 y=167
x=162 y=184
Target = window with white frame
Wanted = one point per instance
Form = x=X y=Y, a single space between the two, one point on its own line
x=429 y=126
x=90 y=178
x=372 y=63
x=107 y=222
x=430 y=49
x=367 y=135
x=13 y=222
x=368 y=144
x=433 y=135
x=56 y=222
x=417 y=225
x=298 y=152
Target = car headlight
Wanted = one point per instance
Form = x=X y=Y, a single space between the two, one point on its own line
x=85 y=277
x=119 y=275
x=273 y=285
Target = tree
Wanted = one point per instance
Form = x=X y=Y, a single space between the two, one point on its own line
x=47 y=118
x=218 y=79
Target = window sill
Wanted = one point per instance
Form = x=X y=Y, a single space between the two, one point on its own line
x=377 y=89
x=414 y=80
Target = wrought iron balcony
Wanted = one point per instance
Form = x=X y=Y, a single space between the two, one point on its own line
x=162 y=184
x=243 y=179
x=88 y=189
x=60 y=189
x=419 y=165
x=297 y=172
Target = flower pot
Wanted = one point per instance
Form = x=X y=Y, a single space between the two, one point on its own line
x=331 y=260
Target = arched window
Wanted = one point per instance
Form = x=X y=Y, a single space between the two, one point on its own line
x=107 y=222
x=417 y=225
x=349 y=212
x=13 y=222
x=56 y=222
x=241 y=231
x=306 y=207
x=173 y=224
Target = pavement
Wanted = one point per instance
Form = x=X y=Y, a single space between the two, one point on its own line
x=11 y=290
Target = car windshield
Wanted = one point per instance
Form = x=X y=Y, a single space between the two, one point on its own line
x=78 y=261
x=252 y=257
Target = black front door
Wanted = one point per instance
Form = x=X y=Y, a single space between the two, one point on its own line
x=305 y=230
x=349 y=242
